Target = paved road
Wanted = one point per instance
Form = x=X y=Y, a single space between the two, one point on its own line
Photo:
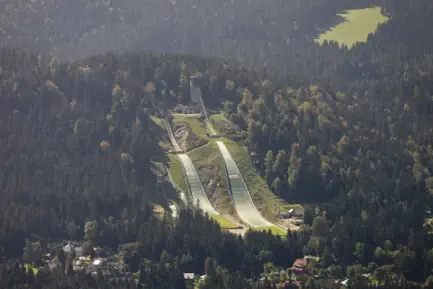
x=241 y=197
x=197 y=191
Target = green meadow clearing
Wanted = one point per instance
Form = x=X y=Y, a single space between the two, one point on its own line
x=356 y=27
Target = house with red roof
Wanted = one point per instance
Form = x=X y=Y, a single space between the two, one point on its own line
x=299 y=267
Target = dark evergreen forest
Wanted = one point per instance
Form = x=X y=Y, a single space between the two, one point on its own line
x=347 y=131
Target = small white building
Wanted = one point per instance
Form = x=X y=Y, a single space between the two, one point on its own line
x=188 y=276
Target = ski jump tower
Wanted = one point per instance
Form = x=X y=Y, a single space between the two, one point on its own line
x=195 y=92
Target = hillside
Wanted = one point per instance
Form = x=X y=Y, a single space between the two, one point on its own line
x=80 y=143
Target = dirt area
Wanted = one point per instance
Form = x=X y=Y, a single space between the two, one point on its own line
x=289 y=223
x=186 y=138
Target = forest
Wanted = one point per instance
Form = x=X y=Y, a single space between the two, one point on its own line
x=347 y=133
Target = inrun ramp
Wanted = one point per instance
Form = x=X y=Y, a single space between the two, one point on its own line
x=239 y=192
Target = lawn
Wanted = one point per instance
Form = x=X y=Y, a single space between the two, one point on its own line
x=224 y=222
x=356 y=27
x=176 y=171
x=274 y=230
x=287 y=207
x=158 y=121
x=219 y=120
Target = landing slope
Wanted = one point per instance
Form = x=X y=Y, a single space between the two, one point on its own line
x=196 y=188
x=245 y=207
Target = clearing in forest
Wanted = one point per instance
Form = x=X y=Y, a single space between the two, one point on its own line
x=357 y=25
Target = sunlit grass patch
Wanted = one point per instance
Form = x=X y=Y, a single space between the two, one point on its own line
x=358 y=24
x=224 y=222
x=176 y=171
x=274 y=230
x=158 y=121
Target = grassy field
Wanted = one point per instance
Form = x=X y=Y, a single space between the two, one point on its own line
x=219 y=122
x=158 y=121
x=274 y=230
x=218 y=118
x=356 y=27
x=176 y=171
x=287 y=207
x=224 y=222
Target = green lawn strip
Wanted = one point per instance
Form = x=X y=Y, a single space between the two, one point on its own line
x=358 y=24
x=30 y=266
x=224 y=222
x=274 y=230
x=158 y=121
x=218 y=121
x=218 y=118
x=176 y=171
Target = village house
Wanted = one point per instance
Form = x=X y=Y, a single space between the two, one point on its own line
x=299 y=267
